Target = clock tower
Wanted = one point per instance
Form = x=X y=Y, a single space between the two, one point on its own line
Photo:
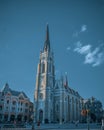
x=45 y=81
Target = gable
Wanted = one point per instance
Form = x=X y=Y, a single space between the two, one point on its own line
x=21 y=96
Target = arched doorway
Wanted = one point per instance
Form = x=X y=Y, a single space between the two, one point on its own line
x=40 y=115
x=25 y=118
x=12 y=117
x=6 y=117
x=19 y=118
x=0 y=117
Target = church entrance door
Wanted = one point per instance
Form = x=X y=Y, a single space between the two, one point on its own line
x=40 y=115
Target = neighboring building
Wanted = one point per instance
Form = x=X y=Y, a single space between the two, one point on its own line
x=14 y=105
x=54 y=100
x=95 y=109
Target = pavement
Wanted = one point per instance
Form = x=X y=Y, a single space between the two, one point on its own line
x=67 y=129
x=68 y=126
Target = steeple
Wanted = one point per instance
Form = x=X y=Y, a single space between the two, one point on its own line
x=66 y=80
x=47 y=41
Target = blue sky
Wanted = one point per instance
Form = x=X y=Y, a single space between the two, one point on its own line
x=77 y=38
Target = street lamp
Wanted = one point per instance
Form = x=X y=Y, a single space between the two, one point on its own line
x=32 y=117
x=85 y=112
x=88 y=120
x=102 y=126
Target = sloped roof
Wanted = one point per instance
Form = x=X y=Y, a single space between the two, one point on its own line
x=6 y=89
x=72 y=91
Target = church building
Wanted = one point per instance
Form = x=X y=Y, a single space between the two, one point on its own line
x=54 y=100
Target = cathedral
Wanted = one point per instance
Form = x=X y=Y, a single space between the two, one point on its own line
x=54 y=100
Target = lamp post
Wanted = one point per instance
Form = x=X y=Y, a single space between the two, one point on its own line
x=102 y=126
x=85 y=112
x=88 y=121
x=32 y=117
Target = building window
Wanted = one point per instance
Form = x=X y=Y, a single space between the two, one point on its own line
x=43 y=68
x=57 y=107
x=13 y=108
x=41 y=95
x=0 y=116
x=53 y=69
x=14 y=102
x=26 y=104
x=7 y=108
x=2 y=100
x=65 y=98
x=2 y=93
x=21 y=97
x=21 y=109
x=26 y=110
x=51 y=96
x=7 y=101
x=0 y=107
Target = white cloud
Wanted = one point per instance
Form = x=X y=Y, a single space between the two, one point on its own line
x=97 y=49
x=83 y=49
x=89 y=58
x=83 y=28
x=95 y=57
x=99 y=60
x=78 y=46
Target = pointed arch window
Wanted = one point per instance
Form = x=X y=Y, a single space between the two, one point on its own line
x=53 y=69
x=49 y=68
x=43 y=67
x=57 y=107
x=41 y=95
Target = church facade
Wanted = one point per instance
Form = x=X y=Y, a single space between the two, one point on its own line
x=54 y=100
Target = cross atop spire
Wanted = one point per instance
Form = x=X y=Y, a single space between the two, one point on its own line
x=47 y=41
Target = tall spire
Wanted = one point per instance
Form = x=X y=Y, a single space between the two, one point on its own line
x=47 y=41
x=47 y=32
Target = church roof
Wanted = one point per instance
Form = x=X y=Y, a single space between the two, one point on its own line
x=72 y=91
